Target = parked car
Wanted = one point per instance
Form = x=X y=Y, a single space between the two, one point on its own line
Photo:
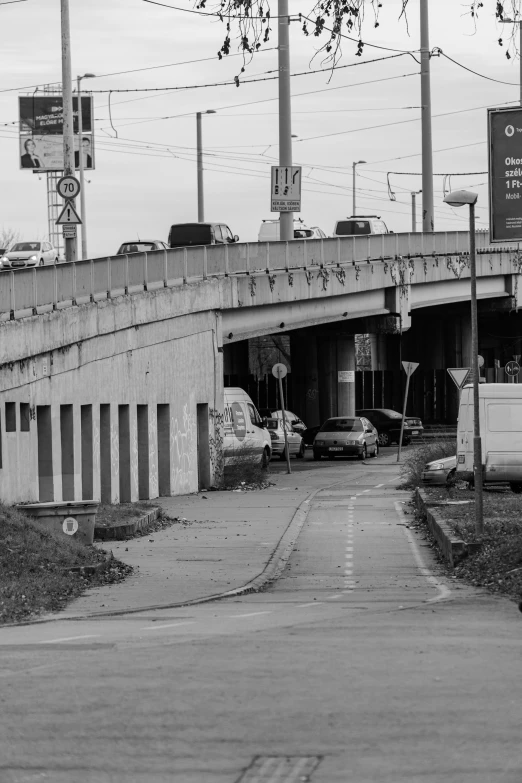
x=269 y=231
x=142 y=246
x=310 y=433
x=388 y=424
x=440 y=471
x=358 y=225
x=245 y=434
x=291 y=418
x=26 y=254
x=346 y=436
x=296 y=446
x=187 y=234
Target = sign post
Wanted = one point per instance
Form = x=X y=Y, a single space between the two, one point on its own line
x=505 y=174
x=279 y=371
x=409 y=369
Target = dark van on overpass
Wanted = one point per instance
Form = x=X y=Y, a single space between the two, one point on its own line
x=186 y=234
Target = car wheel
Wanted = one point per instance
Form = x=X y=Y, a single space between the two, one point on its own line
x=364 y=453
x=301 y=452
x=317 y=456
x=384 y=439
x=451 y=477
x=265 y=459
x=516 y=486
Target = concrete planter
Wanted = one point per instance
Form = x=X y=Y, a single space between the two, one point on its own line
x=74 y=519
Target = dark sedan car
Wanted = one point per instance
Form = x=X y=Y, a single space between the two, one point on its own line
x=388 y=425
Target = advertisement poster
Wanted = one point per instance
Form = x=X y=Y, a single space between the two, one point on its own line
x=43 y=115
x=505 y=174
x=45 y=153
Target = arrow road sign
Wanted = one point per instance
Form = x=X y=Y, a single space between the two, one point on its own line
x=410 y=367
x=459 y=375
x=286 y=189
x=68 y=215
x=512 y=369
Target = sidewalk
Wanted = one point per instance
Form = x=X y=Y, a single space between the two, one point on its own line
x=229 y=540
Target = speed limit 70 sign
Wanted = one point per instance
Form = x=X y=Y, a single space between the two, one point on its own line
x=68 y=187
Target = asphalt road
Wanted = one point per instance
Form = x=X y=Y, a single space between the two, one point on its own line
x=364 y=663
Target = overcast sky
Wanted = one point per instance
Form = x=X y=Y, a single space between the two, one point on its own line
x=145 y=177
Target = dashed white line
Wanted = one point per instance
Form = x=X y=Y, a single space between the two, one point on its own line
x=314 y=603
x=379 y=485
x=170 y=625
x=250 y=614
x=70 y=638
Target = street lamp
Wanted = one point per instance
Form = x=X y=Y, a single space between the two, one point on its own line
x=519 y=22
x=414 y=210
x=458 y=198
x=353 y=183
x=83 y=214
x=201 y=206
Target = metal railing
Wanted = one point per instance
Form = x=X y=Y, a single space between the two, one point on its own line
x=32 y=291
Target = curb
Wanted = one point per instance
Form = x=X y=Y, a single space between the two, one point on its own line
x=453 y=549
x=120 y=532
x=91 y=570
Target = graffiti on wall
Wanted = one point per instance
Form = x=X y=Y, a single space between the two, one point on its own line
x=217 y=459
x=183 y=446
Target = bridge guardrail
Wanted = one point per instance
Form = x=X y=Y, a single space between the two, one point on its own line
x=31 y=291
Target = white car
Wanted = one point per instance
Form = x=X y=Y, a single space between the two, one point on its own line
x=294 y=421
x=296 y=445
x=26 y=254
x=360 y=225
x=269 y=231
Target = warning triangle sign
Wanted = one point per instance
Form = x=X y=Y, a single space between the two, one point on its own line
x=68 y=215
x=410 y=367
x=459 y=375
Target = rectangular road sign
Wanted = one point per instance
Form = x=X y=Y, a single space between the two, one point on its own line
x=69 y=231
x=505 y=174
x=459 y=375
x=285 y=193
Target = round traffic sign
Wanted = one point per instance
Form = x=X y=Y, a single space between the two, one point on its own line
x=480 y=360
x=68 y=187
x=70 y=526
x=279 y=370
x=512 y=369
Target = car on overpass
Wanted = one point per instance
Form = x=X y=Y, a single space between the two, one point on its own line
x=188 y=234
x=28 y=254
x=269 y=231
x=360 y=225
x=388 y=424
x=343 y=436
x=141 y=246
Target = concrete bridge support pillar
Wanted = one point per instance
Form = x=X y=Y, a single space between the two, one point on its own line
x=346 y=376
x=235 y=363
x=305 y=377
x=378 y=344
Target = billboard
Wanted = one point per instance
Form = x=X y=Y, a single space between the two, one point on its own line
x=505 y=174
x=43 y=114
x=41 y=132
x=45 y=153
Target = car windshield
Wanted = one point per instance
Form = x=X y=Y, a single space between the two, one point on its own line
x=350 y=227
x=136 y=247
x=342 y=425
x=25 y=247
x=303 y=233
x=190 y=234
x=273 y=424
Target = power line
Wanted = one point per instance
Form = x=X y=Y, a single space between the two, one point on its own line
x=470 y=70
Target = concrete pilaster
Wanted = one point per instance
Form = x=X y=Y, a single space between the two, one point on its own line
x=346 y=376
x=327 y=376
x=305 y=377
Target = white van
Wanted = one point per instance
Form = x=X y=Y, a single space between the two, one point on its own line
x=500 y=411
x=244 y=433
x=269 y=231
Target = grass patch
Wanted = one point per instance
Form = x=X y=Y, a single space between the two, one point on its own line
x=497 y=565
x=33 y=563
x=415 y=460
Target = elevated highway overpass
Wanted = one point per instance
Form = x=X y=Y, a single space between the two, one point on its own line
x=112 y=369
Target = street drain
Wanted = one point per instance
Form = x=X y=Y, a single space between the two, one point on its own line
x=280 y=769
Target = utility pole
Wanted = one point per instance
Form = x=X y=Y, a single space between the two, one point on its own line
x=83 y=214
x=199 y=157
x=356 y=163
x=68 y=129
x=286 y=219
x=428 y=223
